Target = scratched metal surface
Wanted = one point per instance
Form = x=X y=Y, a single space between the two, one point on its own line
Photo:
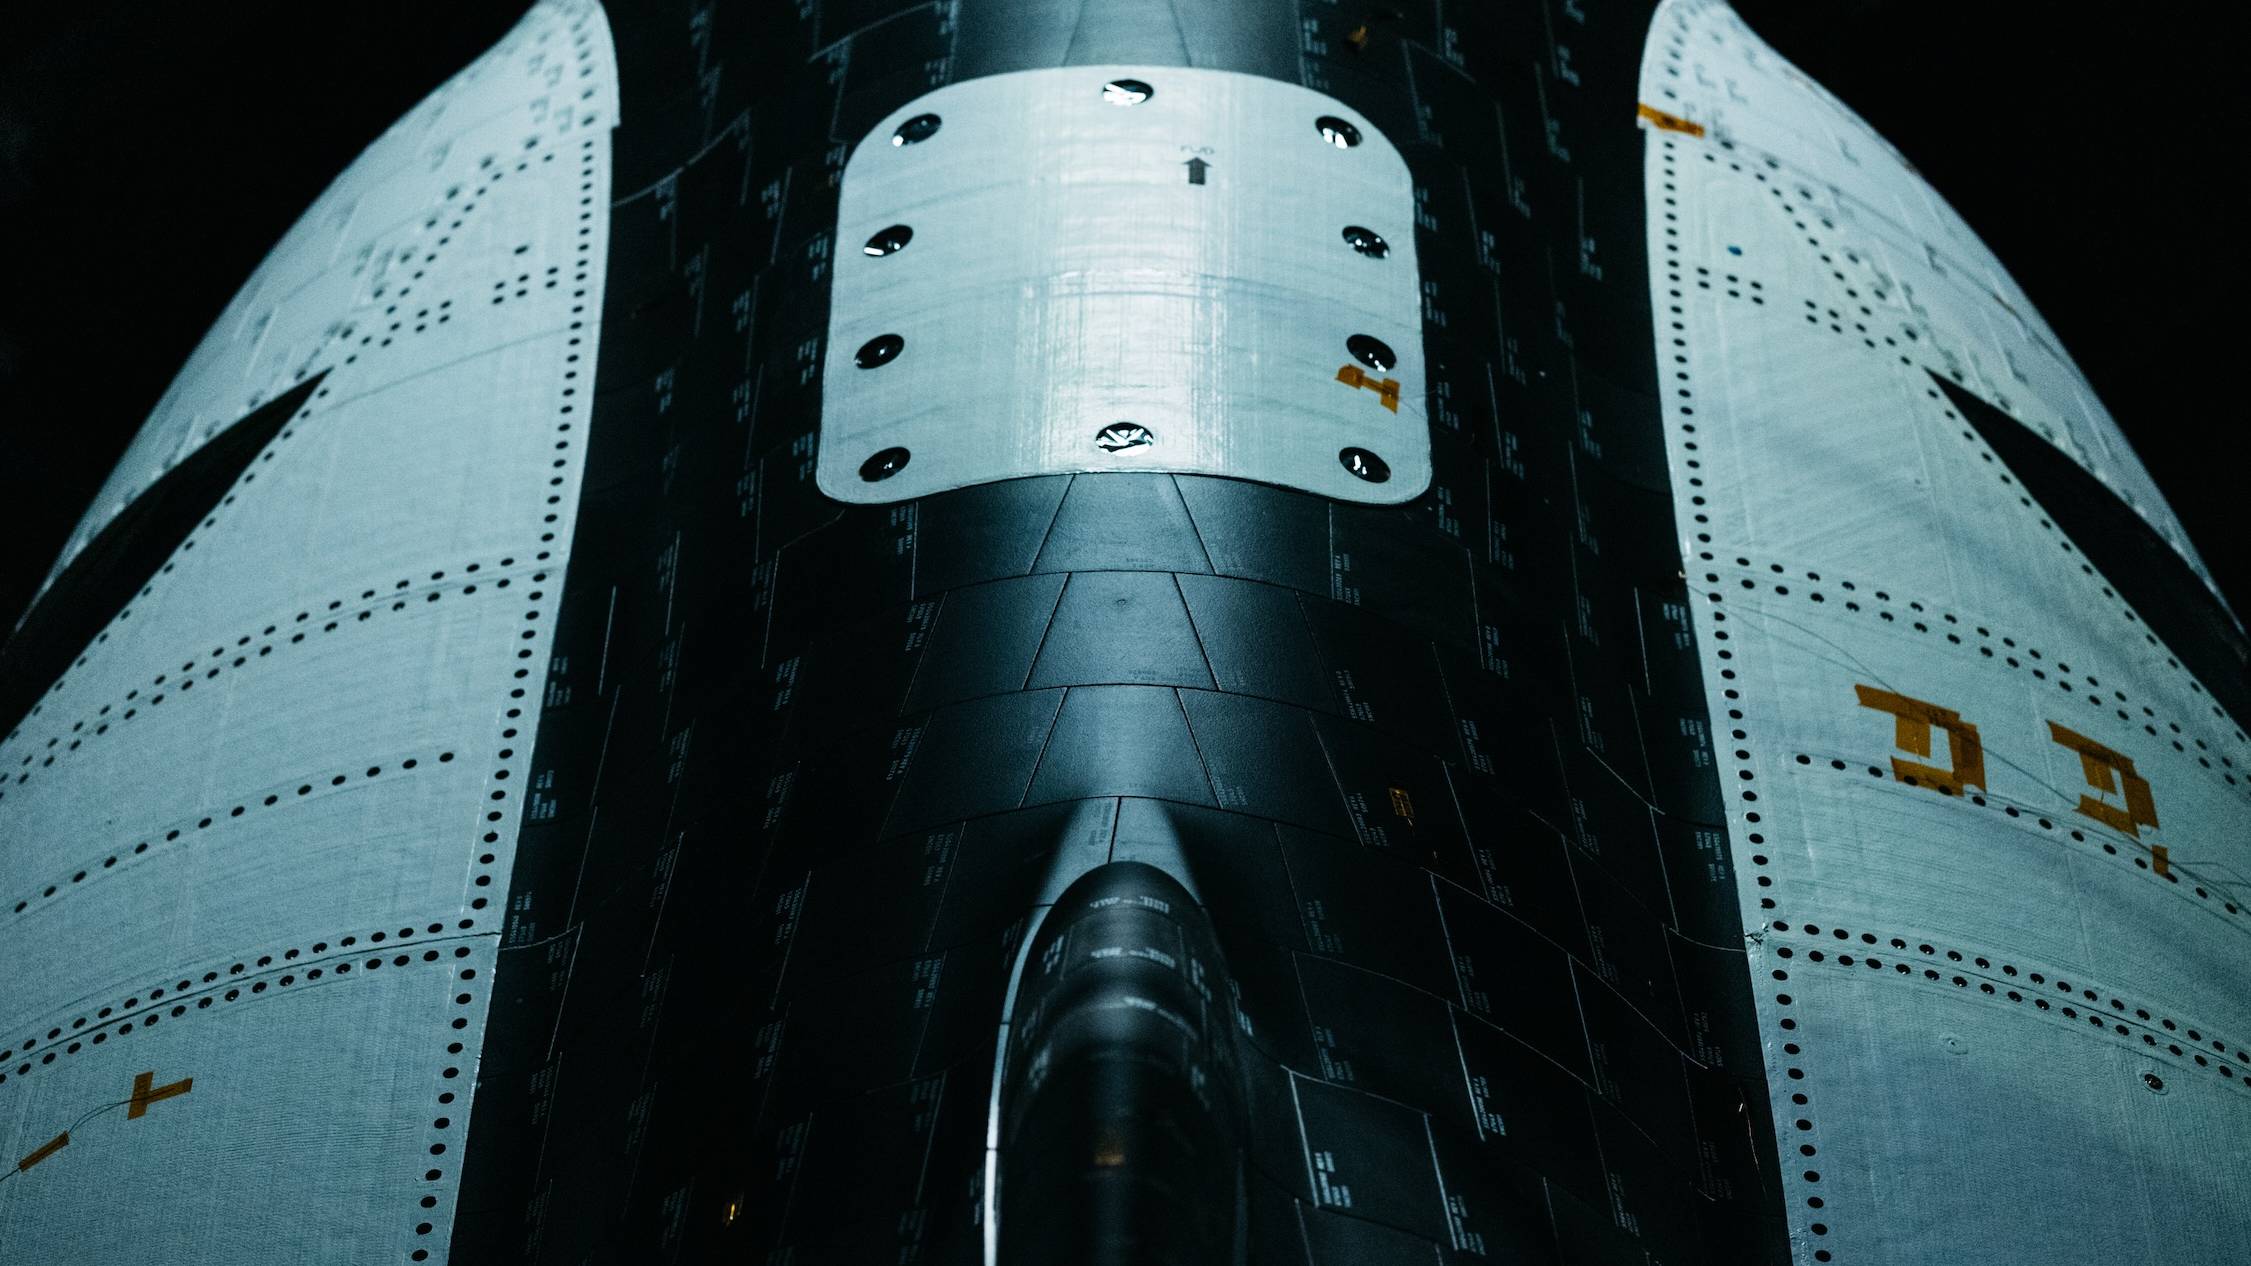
x=1080 y=259
x=254 y=835
x=2005 y=1022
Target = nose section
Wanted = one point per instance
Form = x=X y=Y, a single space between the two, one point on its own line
x=1121 y=1111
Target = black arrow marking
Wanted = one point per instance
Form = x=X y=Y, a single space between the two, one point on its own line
x=1196 y=169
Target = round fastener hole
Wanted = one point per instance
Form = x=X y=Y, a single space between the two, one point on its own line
x=889 y=241
x=1127 y=92
x=1119 y=436
x=880 y=350
x=1372 y=352
x=1365 y=465
x=916 y=130
x=1366 y=241
x=1337 y=132
x=884 y=464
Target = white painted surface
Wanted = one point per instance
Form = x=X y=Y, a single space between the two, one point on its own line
x=1065 y=274
x=1843 y=528
x=364 y=617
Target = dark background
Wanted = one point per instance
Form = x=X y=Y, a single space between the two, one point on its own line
x=150 y=155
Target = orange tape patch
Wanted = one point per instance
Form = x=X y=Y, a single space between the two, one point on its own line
x=2110 y=773
x=46 y=1149
x=1913 y=720
x=1386 y=389
x=143 y=1096
x=1657 y=118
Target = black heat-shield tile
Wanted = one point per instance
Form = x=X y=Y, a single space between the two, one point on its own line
x=1122 y=523
x=1524 y=1107
x=1009 y=862
x=1259 y=532
x=1120 y=628
x=1383 y=675
x=1369 y=1157
x=985 y=532
x=1266 y=759
x=1397 y=797
x=1380 y=1035
x=1516 y=862
x=1255 y=640
x=1368 y=910
x=984 y=640
x=1497 y=1208
x=1121 y=741
x=971 y=758
x=1514 y=978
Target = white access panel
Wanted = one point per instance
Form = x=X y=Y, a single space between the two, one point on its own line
x=1125 y=268
x=1991 y=840
x=254 y=841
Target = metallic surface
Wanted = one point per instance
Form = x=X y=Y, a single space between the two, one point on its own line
x=253 y=836
x=1437 y=774
x=1996 y=829
x=1100 y=282
x=1760 y=782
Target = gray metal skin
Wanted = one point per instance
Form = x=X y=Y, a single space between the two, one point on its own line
x=2006 y=1011
x=253 y=831
x=571 y=833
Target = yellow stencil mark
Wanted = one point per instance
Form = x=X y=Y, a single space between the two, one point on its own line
x=1359 y=38
x=2160 y=859
x=1669 y=122
x=1912 y=722
x=2105 y=769
x=1386 y=389
x=143 y=1096
x=1403 y=804
x=46 y=1149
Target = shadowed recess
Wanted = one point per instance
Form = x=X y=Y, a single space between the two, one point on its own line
x=2149 y=574
x=126 y=554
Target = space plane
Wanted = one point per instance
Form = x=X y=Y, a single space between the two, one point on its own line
x=1116 y=631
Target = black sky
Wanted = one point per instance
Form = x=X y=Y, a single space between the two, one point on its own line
x=151 y=154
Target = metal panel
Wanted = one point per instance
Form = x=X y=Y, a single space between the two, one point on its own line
x=1079 y=260
x=255 y=832
x=1998 y=865
x=1892 y=264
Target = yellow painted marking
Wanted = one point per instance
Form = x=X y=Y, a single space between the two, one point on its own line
x=1403 y=804
x=143 y=1096
x=2105 y=769
x=46 y=1149
x=1668 y=122
x=1359 y=37
x=2160 y=859
x=1912 y=722
x=1386 y=389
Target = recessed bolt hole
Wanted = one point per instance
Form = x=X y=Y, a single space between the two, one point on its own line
x=884 y=464
x=1127 y=92
x=915 y=130
x=1365 y=465
x=1123 y=435
x=1366 y=241
x=1337 y=132
x=889 y=241
x=880 y=350
x=1372 y=352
